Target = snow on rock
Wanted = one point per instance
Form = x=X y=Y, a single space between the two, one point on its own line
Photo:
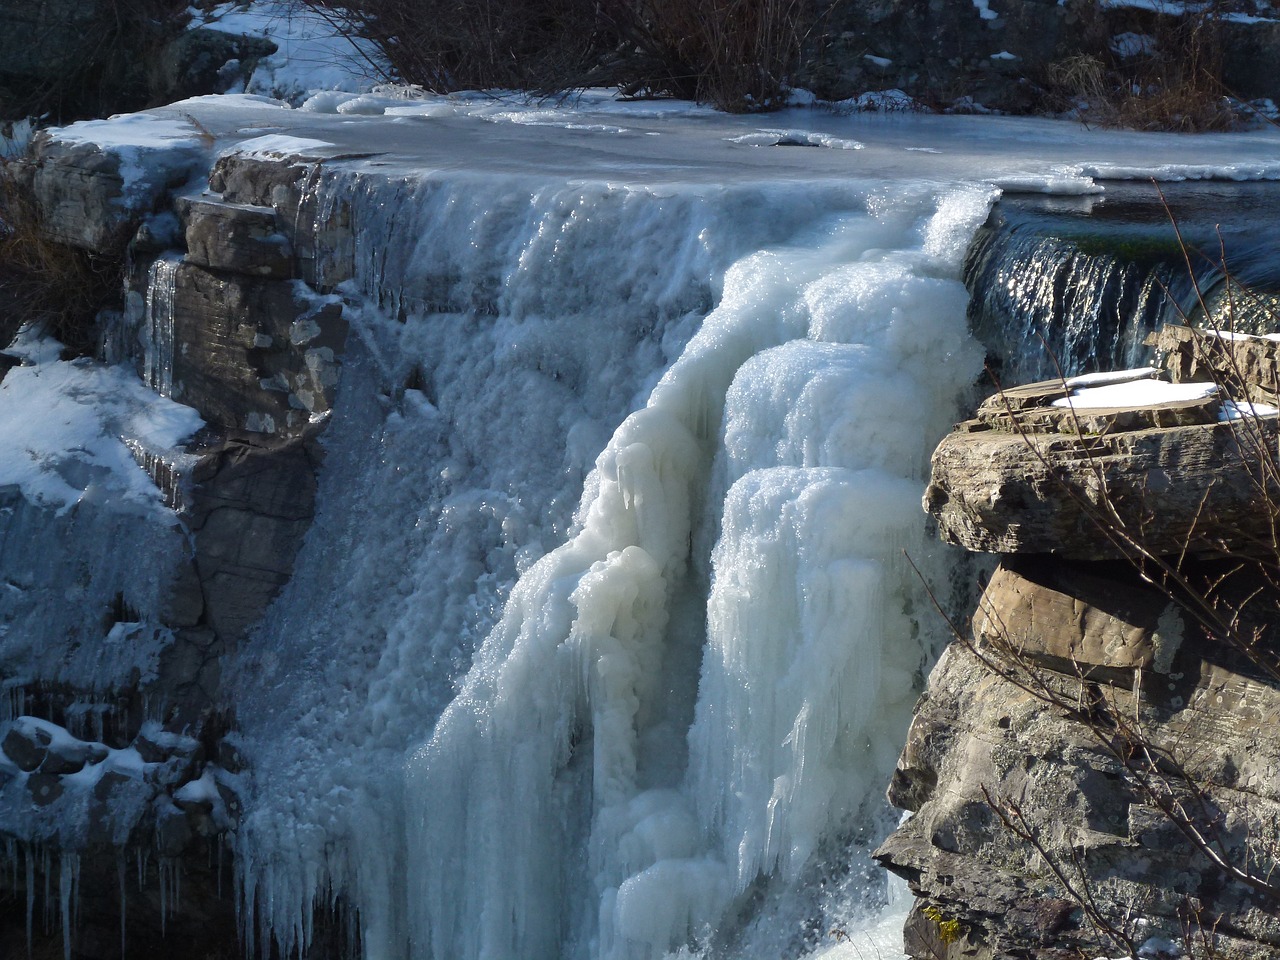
x=1239 y=410
x=1133 y=394
x=1111 y=376
x=67 y=427
x=274 y=146
x=152 y=150
x=882 y=101
x=1126 y=45
x=795 y=138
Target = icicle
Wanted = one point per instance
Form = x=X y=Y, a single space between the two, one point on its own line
x=121 y=875
x=29 y=857
x=158 y=346
x=48 y=888
x=68 y=883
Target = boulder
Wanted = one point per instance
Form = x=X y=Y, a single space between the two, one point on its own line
x=87 y=197
x=1245 y=365
x=26 y=746
x=1102 y=484
x=998 y=730
x=250 y=508
x=235 y=237
x=254 y=355
x=195 y=63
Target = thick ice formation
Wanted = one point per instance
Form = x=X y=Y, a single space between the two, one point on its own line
x=562 y=806
x=570 y=732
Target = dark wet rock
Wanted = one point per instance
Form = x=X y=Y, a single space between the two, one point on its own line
x=26 y=746
x=66 y=756
x=44 y=788
x=249 y=512
x=173 y=830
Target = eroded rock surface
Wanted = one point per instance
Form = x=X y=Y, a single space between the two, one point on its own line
x=1095 y=762
x=1026 y=476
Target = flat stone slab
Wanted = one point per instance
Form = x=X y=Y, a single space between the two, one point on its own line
x=1196 y=488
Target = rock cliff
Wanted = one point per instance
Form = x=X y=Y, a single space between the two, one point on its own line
x=1092 y=769
x=118 y=791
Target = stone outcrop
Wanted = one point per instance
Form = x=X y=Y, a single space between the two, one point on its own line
x=135 y=766
x=1093 y=766
x=83 y=58
x=1025 y=476
x=1002 y=54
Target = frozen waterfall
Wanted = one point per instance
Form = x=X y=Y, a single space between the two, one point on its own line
x=616 y=498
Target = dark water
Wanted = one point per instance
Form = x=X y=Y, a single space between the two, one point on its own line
x=1073 y=285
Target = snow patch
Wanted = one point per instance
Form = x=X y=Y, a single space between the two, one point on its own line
x=66 y=427
x=275 y=146
x=796 y=138
x=313 y=54
x=1126 y=45
x=1105 y=377
x=1134 y=394
x=152 y=150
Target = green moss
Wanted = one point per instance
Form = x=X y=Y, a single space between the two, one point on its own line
x=1146 y=249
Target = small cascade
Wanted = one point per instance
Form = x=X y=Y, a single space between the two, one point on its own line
x=1047 y=305
x=158 y=329
x=1237 y=288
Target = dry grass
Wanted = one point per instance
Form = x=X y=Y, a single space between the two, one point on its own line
x=1175 y=85
x=732 y=53
x=446 y=45
x=735 y=54
x=57 y=287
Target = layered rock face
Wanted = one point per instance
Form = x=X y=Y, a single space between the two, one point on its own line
x=1093 y=769
x=1006 y=54
x=118 y=788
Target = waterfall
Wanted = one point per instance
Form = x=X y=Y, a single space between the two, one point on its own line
x=1045 y=306
x=665 y=664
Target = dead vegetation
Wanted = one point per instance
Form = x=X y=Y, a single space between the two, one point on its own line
x=57 y=287
x=1162 y=73
x=735 y=54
